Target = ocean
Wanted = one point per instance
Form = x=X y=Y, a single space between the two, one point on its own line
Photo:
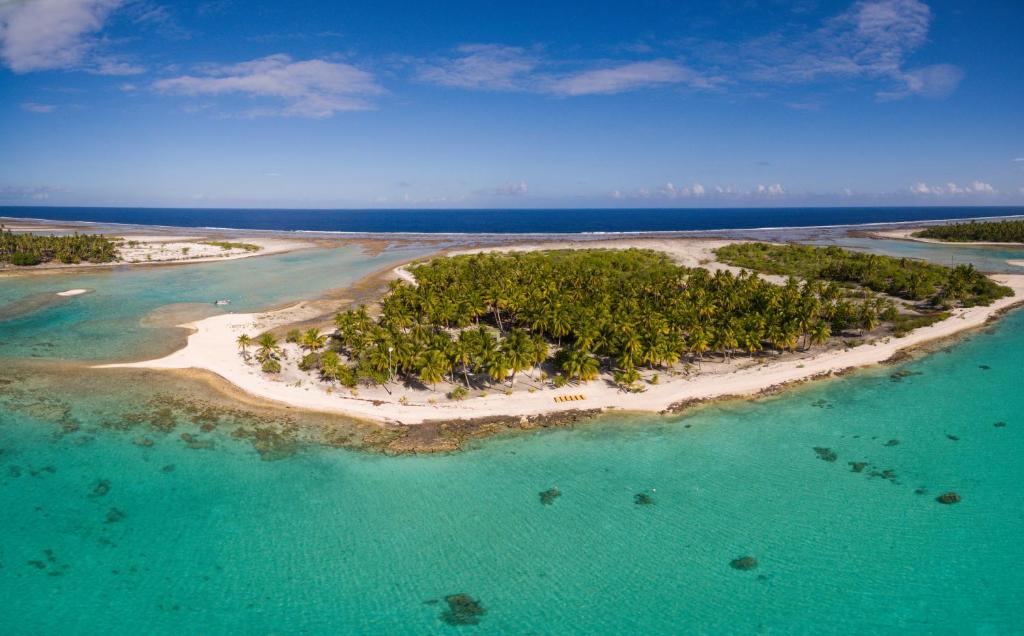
x=492 y=221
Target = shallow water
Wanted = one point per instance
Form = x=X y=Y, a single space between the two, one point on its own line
x=987 y=259
x=100 y=536
x=121 y=316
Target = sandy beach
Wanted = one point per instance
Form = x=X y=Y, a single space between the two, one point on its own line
x=198 y=249
x=211 y=347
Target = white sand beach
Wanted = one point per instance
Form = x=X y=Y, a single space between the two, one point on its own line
x=193 y=249
x=212 y=347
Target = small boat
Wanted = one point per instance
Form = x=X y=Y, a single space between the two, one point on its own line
x=222 y=301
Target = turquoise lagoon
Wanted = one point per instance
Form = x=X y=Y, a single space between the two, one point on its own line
x=102 y=535
x=130 y=313
x=991 y=259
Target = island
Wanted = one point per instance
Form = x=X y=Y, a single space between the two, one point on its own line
x=524 y=333
x=1008 y=231
x=25 y=246
x=1005 y=232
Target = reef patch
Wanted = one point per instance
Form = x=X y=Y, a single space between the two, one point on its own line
x=463 y=609
x=547 y=497
x=743 y=563
x=825 y=454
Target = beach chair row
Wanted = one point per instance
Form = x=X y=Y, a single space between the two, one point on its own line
x=569 y=398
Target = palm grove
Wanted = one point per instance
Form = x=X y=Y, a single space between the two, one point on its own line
x=484 y=319
x=33 y=249
x=1010 y=231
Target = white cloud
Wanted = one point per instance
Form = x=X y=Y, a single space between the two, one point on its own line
x=34 y=107
x=952 y=189
x=517 y=189
x=53 y=34
x=627 y=77
x=496 y=67
x=774 y=189
x=309 y=88
x=1018 y=160
x=483 y=66
x=670 y=191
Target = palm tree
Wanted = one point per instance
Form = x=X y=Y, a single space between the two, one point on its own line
x=330 y=366
x=820 y=333
x=517 y=351
x=313 y=340
x=699 y=343
x=268 y=346
x=579 y=364
x=433 y=367
x=540 y=351
x=868 y=317
x=462 y=354
x=244 y=342
x=496 y=366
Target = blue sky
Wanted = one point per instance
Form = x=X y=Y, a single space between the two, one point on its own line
x=527 y=104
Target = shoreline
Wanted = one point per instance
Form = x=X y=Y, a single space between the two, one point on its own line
x=211 y=347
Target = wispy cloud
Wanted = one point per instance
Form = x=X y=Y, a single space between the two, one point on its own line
x=870 y=40
x=626 y=77
x=772 y=190
x=491 y=67
x=57 y=34
x=315 y=88
x=35 y=107
x=516 y=189
x=495 y=67
x=28 y=193
x=952 y=189
x=671 y=192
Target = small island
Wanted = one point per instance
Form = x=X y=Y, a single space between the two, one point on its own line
x=535 y=331
x=1008 y=231
x=25 y=247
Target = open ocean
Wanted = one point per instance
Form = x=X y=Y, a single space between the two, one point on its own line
x=492 y=221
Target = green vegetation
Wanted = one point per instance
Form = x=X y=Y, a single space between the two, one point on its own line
x=990 y=232
x=485 y=319
x=25 y=249
x=903 y=324
x=228 y=245
x=902 y=277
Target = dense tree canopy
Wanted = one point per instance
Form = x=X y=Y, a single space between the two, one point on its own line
x=902 y=277
x=990 y=231
x=33 y=249
x=485 y=318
